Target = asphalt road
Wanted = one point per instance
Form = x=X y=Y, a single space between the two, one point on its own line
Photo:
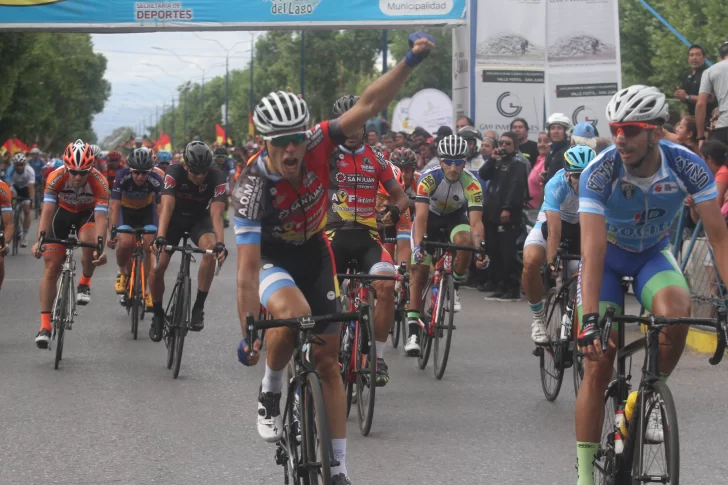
x=113 y=413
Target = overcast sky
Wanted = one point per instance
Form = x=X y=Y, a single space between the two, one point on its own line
x=134 y=98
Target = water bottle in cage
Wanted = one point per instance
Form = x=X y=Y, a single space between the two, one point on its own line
x=566 y=321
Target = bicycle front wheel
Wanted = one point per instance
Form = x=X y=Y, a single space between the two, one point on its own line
x=62 y=314
x=170 y=329
x=345 y=350
x=551 y=362
x=316 y=437
x=17 y=236
x=136 y=298
x=444 y=326
x=607 y=463
x=656 y=451
x=399 y=315
x=183 y=304
x=366 y=374
x=426 y=317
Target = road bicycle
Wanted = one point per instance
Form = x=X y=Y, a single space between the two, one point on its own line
x=304 y=449
x=629 y=459
x=18 y=221
x=438 y=296
x=178 y=315
x=358 y=352
x=401 y=298
x=64 y=306
x=133 y=298
x=561 y=351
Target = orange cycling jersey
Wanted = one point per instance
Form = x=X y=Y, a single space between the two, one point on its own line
x=5 y=198
x=404 y=225
x=94 y=195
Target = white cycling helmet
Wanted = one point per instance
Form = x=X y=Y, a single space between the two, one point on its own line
x=35 y=151
x=637 y=103
x=452 y=147
x=96 y=150
x=19 y=158
x=281 y=112
x=558 y=119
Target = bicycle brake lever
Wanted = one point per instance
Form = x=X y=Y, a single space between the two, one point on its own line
x=606 y=324
x=722 y=330
x=250 y=332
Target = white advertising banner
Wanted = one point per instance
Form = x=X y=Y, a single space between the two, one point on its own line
x=430 y=109
x=582 y=66
x=400 y=115
x=510 y=56
x=461 y=70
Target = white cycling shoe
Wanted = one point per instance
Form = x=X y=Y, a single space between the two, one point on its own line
x=538 y=332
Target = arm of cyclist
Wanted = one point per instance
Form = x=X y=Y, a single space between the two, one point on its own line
x=477 y=234
x=46 y=216
x=216 y=211
x=401 y=202
x=248 y=299
x=7 y=218
x=382 y=91
x=593 y=251
x=553 y=222
x=31 y=194
x=422 y=212
x=168 y=203
x=100 y=224
x=114 y=208
x=715 y=229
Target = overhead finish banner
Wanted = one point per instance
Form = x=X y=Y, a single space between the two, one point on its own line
x=130 y=15
x=582 y=67
x=510 y=61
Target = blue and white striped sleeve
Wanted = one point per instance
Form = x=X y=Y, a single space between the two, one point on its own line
x=247 y=231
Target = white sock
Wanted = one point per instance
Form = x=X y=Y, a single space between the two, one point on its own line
x=272 y=380
x=339 y=448
x=380 y=348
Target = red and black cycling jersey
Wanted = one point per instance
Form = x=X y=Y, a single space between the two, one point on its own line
x=354 y=181
x=269 y=209
x=194 y=200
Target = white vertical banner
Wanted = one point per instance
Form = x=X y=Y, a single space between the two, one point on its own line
x=510 y=56
x=461 y=70
x=582 y=65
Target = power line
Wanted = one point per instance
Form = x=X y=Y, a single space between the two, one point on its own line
x=168 y=55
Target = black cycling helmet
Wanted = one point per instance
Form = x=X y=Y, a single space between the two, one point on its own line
x=470 y=133
x=198 y=157
x=140 y=159
x=344 y=104
x=403 y=158
x=221 y=152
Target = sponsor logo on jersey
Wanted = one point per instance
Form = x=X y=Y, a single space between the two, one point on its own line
x=478 y=198
x=601 y=176
x=202 y=187
x=368 y=168
x=169 y=182
x=627 y=190
x=315 y=136
x=696 y=173
x=366 y=161
x=666 y=188
x=426 y=185
x=220 y=190
x=342 y=196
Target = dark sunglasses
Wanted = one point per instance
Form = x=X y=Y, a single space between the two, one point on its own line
x=77 y=173
x=198 y=171
x=140 y=172
x=282 y=141
x=506 y=143
x=630 y=129
x=450 y=163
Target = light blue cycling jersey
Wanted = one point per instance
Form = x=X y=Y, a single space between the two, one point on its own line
x=639 y=211
x=559 y=197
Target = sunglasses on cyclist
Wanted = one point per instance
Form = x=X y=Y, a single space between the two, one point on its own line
x=282 y=141
x=633 y=128
x=198 y=171
x=77 y=173
x=450 y=163
x=140 y=172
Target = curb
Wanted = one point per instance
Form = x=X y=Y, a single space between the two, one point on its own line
x=703 y=341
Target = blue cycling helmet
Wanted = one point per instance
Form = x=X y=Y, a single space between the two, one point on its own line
x=584 y=129
x=164 y=156
x=578 y=157
x=57 y=163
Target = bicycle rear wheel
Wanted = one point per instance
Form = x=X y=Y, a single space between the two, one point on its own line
x=17 y=236
x=59 y=325
x=183 y=304
x=399 y=315
x=655 y=461
x=136 y=298
x=578 y=359
x=316 y=438
x=426 y=317
x=366 y=372
x=608 y=464
x=345 y=350
x=550 y=359
x=444 y=326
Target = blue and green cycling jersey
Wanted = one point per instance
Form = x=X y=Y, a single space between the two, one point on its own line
x=639 y=211
x=559 y=197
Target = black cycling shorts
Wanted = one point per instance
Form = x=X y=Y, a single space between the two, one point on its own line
x=310 y=268
x=439 y=228
x=571 y=233
x=146 y=216
x=22 y=193
x=364 y=246
x=388 y=232
x=64 y=219
x=195 y=226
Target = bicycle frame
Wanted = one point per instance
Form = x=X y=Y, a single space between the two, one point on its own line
x=443 y=267
x=67 y=269
x=137 y=255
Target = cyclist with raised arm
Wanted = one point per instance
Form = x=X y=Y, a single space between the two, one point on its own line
x=135 y=195
x=557 y=218
x=449 y=207
x=75 y=195
x=356 y=171
x=193 y=199
x=284 y=259
x=6 y=225
x=628 y=199
x=21 y=179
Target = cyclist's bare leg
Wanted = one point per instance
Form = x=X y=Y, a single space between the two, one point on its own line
x=462 y=258
x=2 y=271
x=404 y=253
x=327 y=363
x=534 y=257
x=207 y=265
x=156 y=277
x=673 y=302
x=87 y=235
x=53 y=259
x=26 y=220
x=123 y=253
x=148 y=258
x=384 y=309
x=590 y=401
x=418 y=280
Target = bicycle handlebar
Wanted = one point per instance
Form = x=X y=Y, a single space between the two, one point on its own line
x=304 y=323
x=135 y=231
x=402 y=275
x=720 y=324
x=190 y=250
x=452 y=247
x=71 y=243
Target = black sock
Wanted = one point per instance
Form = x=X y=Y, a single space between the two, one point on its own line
x=457 y=286
x=158 y=309
x=200 y=301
